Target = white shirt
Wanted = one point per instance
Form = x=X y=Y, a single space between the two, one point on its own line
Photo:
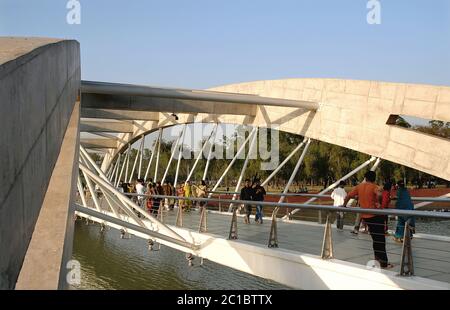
x=140 y=189
x=338 y=195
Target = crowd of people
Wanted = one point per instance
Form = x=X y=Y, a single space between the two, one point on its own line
x=367 y=194
x=371 y=196
x=148 y=194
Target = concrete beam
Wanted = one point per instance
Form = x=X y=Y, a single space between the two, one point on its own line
x=136 y=91
x=93 y=126
x=99 y=143
x=154 y=104
x=119 y=114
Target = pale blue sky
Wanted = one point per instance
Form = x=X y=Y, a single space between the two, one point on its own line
x=204 y=43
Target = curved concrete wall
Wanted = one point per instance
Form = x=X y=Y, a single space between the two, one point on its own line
x=39 y=84
x=352 y=114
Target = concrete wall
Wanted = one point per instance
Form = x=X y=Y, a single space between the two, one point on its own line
x=353 y=114
x=39 y=83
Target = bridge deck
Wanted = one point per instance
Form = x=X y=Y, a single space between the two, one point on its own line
x=431 y=255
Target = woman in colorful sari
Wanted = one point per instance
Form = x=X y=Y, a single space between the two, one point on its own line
x=404 y=202
x=187 y=194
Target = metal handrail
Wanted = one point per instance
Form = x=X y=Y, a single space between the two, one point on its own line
x=396 y=212
x=424 y=199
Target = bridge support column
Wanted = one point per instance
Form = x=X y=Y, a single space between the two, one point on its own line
x=160 y=215
x=233 y=228
x=407 y=266
x=327 y=245
x=203 y=220
x=273 y=238
x=179 y=220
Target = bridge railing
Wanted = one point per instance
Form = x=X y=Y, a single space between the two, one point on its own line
x=327 y=251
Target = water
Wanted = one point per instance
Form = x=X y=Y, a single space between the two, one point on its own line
x=109 y=262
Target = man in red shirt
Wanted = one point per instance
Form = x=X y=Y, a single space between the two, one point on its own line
x=368 y=194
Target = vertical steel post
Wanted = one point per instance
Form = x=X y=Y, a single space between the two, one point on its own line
x=407 y=265
x=327 y=244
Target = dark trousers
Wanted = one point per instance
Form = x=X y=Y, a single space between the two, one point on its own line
x=248 y=210
x=155 y=207
x=340 y=220
x=376 y=230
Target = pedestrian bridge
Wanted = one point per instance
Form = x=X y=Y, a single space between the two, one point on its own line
x=45 y=106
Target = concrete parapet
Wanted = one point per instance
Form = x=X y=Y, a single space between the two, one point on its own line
x=39 y=84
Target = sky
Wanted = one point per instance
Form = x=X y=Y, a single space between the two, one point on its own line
x=206 y=43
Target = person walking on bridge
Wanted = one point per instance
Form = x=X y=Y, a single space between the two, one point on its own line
x=201 y=191
x=188 y=194
x=167 y=190
x=247 y=193
x=369 y=195
x=140 y=190
x=150 y=192
x=157 y=200
x=260 y=192
x=338 y=195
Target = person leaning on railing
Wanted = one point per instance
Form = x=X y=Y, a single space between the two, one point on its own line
x=369 y=195
x=403 y=203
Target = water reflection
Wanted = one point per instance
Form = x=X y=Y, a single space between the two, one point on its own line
x=109 y=262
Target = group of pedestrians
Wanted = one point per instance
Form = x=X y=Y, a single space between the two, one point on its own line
x=368 y=195
x=148 y=194
x=371 y=196
x=253 y=192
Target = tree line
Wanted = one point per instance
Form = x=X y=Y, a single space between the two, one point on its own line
x=323 y=164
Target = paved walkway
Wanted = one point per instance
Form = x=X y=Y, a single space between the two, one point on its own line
x=431 y=257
